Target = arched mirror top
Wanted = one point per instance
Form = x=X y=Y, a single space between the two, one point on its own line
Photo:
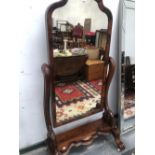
x=61 y=3
x=67 y=11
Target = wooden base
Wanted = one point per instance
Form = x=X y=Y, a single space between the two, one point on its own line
x=83 y=135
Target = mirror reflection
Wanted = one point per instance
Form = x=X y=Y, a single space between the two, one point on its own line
x=79 y=40
x=128 y=84
x=127 y=65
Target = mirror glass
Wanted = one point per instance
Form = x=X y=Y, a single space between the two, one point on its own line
x=128 y=86
x=79 y=40
x=128 y=64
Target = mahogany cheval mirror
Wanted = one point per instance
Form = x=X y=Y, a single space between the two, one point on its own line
x=79 y=73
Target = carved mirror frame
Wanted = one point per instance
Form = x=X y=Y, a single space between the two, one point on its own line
x=49 y=24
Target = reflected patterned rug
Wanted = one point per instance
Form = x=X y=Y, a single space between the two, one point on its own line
x=129 y=106
x=76 y=99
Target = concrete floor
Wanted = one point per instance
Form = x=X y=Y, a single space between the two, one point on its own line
x=130 y=123
x=103 y=145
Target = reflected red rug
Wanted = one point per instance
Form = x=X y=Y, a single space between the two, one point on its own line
x=77 y=98
x=67 y=93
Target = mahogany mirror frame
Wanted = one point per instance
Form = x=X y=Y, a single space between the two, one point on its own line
x=49 y=24
x=107 y=123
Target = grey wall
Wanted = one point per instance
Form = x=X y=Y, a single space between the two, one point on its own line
x=33 y=53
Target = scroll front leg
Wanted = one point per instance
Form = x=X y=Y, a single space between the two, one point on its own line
x=47 y=73
x=119 y=143
x=51 y=140
x=108 y=115
x=51 y=143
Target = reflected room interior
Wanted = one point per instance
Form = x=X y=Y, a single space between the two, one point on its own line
x=127 y=65
x=128 y=85
x=78 y=49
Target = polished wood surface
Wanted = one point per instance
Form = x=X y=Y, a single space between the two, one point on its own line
x=81 y=135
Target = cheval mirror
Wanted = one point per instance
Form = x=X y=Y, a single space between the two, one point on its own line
x=79 y=72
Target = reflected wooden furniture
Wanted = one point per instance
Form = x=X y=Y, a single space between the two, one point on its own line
x=130 y=78
x=94 y=69
x=59 y=144
x=101 y=38
x=64 y=26
x=90 y=38
x=78 y=31
x=69 y=68
x=58 y=38
x=77 y=37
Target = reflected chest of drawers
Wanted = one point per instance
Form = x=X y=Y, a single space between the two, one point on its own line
x=94 y=69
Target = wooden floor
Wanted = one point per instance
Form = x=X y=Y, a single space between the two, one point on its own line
x=101 y=146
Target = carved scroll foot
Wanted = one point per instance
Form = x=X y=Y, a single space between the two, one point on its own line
x=119 y=143
x=51 y=143
x=51 y=148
